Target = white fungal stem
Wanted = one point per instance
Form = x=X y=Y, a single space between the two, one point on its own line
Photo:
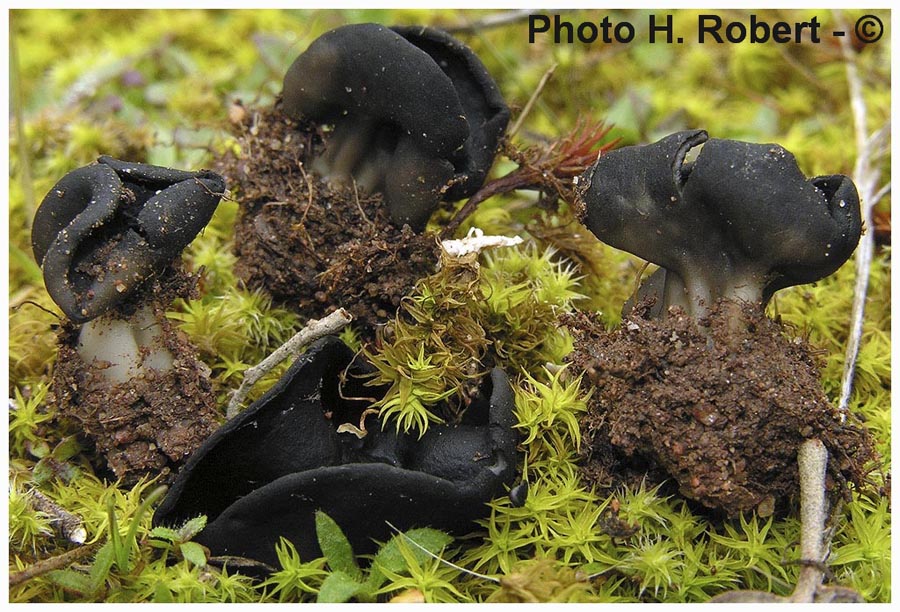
x=812 y=459
x=315 y=329
x=866 y=175
x=126 y=348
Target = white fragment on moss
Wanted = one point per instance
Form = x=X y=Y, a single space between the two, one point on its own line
x=475 y=242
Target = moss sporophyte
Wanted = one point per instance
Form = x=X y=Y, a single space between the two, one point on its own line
x=485 y=428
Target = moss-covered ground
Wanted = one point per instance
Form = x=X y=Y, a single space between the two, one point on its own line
x=162 y=87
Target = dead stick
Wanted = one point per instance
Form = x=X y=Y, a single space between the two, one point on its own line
x=812 y=459
x=315 y=329
x=866 y=175
x=517 y=179
x=534 y=97
x=64 y=522
x=52 y=563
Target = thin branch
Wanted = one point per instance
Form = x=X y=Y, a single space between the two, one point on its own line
x=504 y=184
x=495 y=20
x=315 y=329
x=18 y=108
x=53 y=563
x=512 y=71
x=63 y=522
x=866 y=174
x=812 y=459
x=886 y=189
x=531 y=100
x=550 y=167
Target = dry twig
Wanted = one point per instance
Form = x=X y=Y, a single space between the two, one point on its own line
x=53 y=563
x=66 y=524
x=812 y=459
x=866 y=174
x=315 y=329
x=531 y=101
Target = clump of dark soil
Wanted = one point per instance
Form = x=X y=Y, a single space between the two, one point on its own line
x=148 y=425
x=720 y=406
x=314 y=245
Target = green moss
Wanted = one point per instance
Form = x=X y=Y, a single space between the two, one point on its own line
x=524 y=292
x=862 y=552
x=434 y=351
x=463 y=319
x=295 y=580
x=28 y=528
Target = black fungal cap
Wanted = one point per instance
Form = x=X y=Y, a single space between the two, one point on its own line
x=266 y=472
x=106 y=228
x=741 y=221
x=416 y=115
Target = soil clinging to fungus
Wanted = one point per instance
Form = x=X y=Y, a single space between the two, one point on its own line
x=718 y=409
x=108 y=237
x=337 y=181
x=311 y=244
x=697 y=384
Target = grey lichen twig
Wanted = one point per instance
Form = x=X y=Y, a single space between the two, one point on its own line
x=866 y=174
x=63 y=522
x=812 y=459
x=315 y=329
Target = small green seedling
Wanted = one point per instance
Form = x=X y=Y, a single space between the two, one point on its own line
x=178 y=541
x=346 y=580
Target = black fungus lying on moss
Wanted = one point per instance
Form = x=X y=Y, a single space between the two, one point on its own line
x=266 y=472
